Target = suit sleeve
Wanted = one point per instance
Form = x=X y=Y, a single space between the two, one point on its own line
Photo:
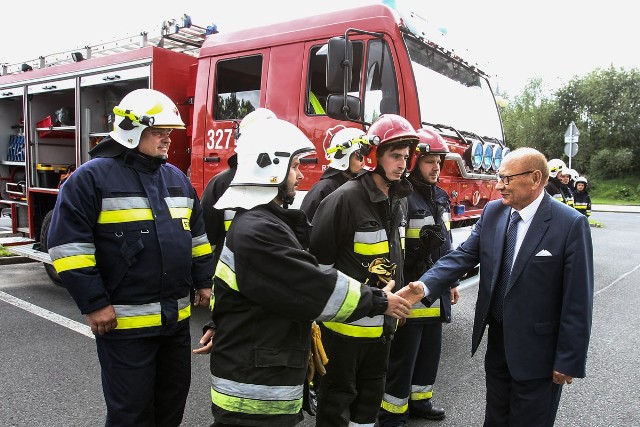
x=577 y=301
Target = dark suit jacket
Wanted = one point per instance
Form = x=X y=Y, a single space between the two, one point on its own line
x=549 y=300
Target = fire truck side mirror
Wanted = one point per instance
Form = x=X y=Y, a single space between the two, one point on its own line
x=339 y=65
x=338 y=109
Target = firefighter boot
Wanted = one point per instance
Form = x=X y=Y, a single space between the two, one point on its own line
x=425 y=409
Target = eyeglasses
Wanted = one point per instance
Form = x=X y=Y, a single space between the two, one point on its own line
x=161 y=132
x=506 y=178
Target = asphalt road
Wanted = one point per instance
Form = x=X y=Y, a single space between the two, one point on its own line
x=49 y=374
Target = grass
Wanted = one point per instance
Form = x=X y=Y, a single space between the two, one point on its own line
x=4 y=251
x=620 y=191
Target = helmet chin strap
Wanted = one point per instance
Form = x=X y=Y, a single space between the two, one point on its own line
x=380 y=171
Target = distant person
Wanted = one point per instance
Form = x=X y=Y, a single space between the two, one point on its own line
x=416 y=346
x=555 y=186
x=127 y=239
x=581 y=198
x=345 y=162
x=535 y=293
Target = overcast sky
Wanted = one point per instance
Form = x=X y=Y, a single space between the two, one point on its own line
x=551 y=39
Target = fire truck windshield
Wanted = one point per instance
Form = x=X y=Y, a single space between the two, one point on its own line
x=452 y=94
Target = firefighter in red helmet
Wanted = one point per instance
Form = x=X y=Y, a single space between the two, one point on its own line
x=415 y=349
x=359 y=229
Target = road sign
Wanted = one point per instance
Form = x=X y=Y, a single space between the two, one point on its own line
x=571 y=149
x=572 y=134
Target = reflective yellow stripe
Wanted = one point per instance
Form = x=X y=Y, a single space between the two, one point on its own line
x=413 y=233
x=74 y=262
x=354 y=331
x=422 y=396
x=184 y=313
x=180 y=212
x=245 y=405
x=145 y=321
x=200 y=250
x=379 y=248
x=226 y=274
x=227 y=224
x=125 y=215
x=390 y=407
x=425 y=312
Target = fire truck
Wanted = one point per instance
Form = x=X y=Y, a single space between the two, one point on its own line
x=322 y=73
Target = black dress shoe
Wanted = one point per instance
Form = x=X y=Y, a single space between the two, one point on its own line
x=428 y=412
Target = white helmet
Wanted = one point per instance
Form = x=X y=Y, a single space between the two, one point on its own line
x=555 y=165
x=265 y=151
x=582 y=179
x=253 y=117
x=565 y=171
x=574 y=174
x=343 y=144
x=140 y=109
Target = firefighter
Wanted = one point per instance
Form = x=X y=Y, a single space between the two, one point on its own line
x=416 y=347
x=128 y=241
x=217 y=222
x=555 y=187
x=359 y=230
x=581 y=198
x=345 y=162
x=268 y=289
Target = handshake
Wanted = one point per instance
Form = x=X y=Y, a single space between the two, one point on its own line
x=400 y=303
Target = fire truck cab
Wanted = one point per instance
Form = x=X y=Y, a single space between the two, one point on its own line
x=322 y=73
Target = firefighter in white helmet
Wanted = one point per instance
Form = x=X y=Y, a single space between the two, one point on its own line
x=128 y=241
x=268 y=289
x=345 y=162
x=359 y=229
x=556 y=187
x=581 y=198
x=416 y=346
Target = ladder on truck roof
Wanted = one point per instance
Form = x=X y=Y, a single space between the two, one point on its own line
x=179 y=35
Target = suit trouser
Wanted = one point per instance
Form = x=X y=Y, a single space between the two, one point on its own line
x=413 y=364
x=353 y=386
x=512 y=403
x=146 y=380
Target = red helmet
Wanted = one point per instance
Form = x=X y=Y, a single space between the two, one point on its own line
x=388 y=129
x=430 y=142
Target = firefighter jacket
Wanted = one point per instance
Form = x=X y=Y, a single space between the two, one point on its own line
x=267 y=291
x=360 y=231
x=427 y=205
x=217 y=222
x=128 y=231
x=582 y=202
x=331 y=179
x=559 y=191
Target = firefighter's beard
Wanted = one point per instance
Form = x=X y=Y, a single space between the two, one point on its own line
x=286 y=193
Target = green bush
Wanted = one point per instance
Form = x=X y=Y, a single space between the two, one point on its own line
x=611 y=163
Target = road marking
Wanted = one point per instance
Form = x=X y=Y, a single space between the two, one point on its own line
x=49 y=315
x=618 y=279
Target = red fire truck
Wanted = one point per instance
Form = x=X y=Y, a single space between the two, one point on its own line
x=322 y=73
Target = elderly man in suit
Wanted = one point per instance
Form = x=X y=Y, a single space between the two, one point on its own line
x=535 y=293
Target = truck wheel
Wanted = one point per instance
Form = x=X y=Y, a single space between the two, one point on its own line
x=44 y=231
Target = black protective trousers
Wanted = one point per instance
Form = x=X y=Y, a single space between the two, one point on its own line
x=146 y=380
x=414 y=359
x=353 y=386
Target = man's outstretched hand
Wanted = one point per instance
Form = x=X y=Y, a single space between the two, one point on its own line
x=397 y=307
x=413 y=292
